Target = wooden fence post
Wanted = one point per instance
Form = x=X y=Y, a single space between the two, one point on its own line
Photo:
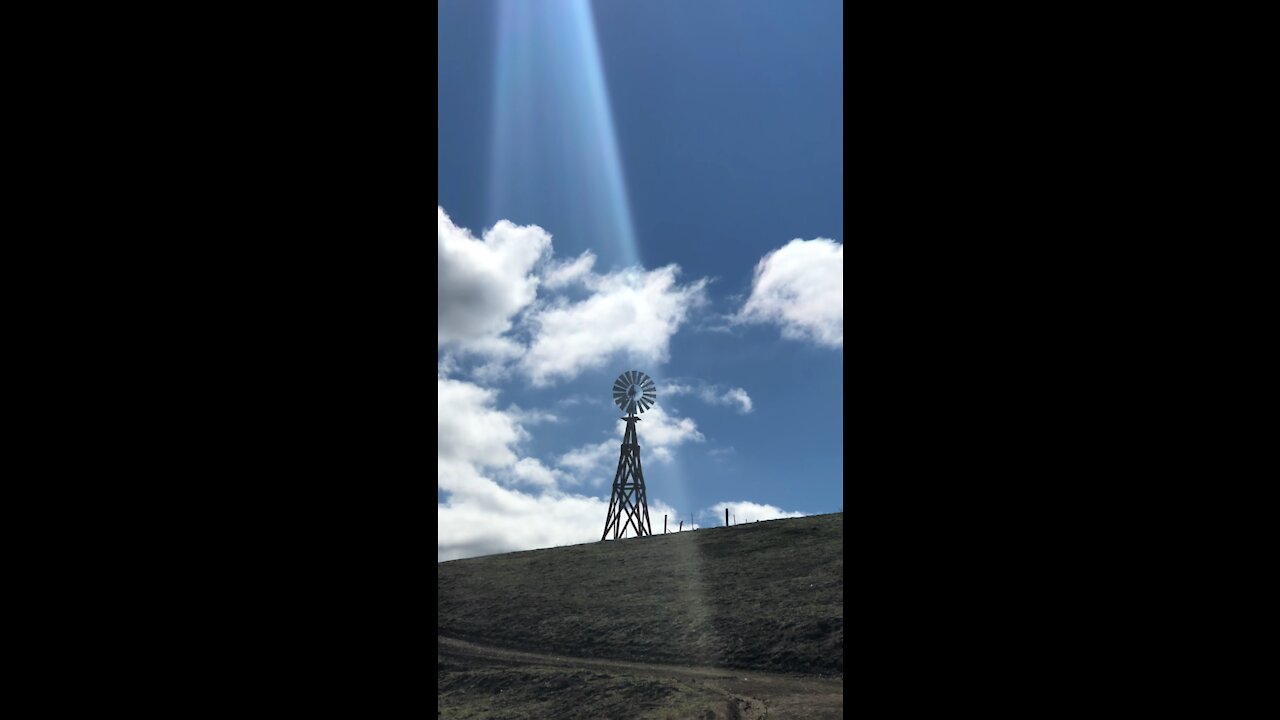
x=726 y=517
x=664 y=524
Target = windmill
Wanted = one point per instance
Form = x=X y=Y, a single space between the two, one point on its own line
x=629 y=507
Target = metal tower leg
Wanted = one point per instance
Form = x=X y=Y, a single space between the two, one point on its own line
x=629 y=504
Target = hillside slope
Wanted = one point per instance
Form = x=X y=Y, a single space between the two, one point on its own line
x=766 y=596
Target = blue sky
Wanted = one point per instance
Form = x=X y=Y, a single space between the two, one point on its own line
x=654 y=186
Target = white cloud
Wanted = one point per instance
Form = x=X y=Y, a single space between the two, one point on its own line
x=534 y=472
x=659 y=433
x=631 y=315
x=675 y=388
x=480 y=516
x=533 y=417
x=744 y=511
x=492 y=519
x=590 y=461
x=492 y=371
x=491 y=318
x=489 y=306
x=446 y=365
x=711 y=394
x=800 y=287
x=468 y=428
x=485 y=283
x=741 y=397
x=558 y=275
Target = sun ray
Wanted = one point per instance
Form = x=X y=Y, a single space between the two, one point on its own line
x=554 y=155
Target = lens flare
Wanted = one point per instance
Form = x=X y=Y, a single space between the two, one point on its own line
x=554 y=157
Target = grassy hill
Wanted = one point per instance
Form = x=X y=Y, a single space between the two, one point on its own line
x=765 y=596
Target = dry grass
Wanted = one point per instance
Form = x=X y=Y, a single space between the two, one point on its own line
x=766 y=596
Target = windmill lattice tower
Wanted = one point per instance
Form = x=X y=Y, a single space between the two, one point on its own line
x=629 y=505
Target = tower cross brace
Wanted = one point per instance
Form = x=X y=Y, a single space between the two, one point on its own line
x=629 y=505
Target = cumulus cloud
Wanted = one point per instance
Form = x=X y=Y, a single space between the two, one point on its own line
x=527 y=509
x=660 y=431
x=446 y=365
x=490 y=306
x=482 y=516
x=800 y=287
x=739 y=396
x=631 y=315
x=494 y=519
x=531 y=471
x=533 y=416
x=660 y=434
x=469 y=429
x=711 y=394
x=591 y=459
x=484 y=283
x=489 y=519
x=745 y=511
x=559 y=275
x=492 y=322
x=479 y=516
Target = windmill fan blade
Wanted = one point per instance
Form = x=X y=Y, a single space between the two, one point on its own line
x=634 y=391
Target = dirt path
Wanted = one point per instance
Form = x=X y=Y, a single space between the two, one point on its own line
x=758 y=694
